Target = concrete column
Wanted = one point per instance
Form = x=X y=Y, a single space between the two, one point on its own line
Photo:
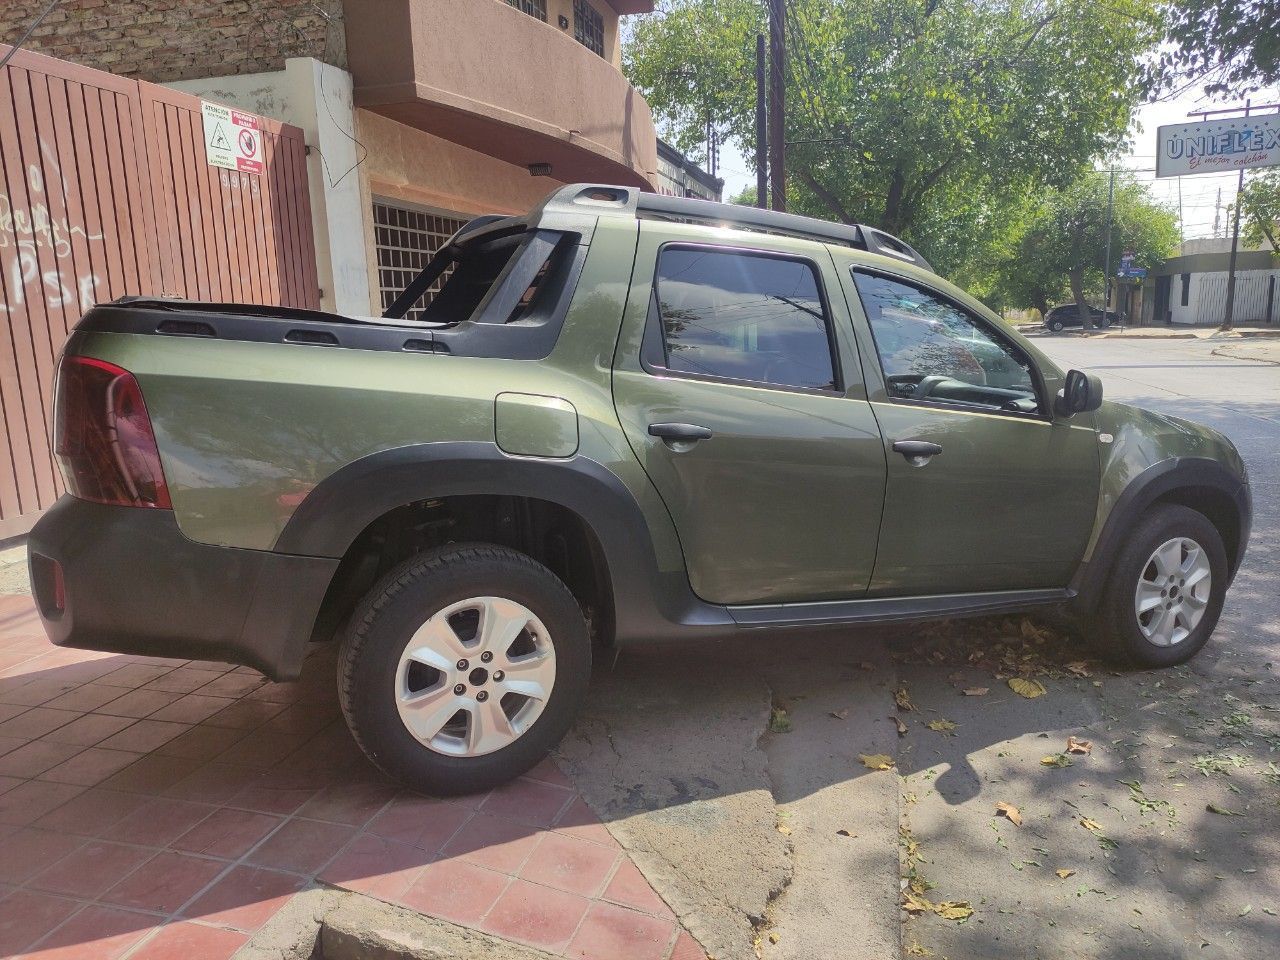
x=316 y=97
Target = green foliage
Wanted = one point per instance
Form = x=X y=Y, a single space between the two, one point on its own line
x=1231 y=46
x=1260 y=211
x=1064 y=245
x=950 y=117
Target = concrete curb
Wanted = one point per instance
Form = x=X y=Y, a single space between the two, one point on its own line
x=322 y=923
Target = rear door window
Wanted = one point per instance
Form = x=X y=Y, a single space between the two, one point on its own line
x=742 y=316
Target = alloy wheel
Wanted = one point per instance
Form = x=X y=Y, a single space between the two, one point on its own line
x=475 y=677
x=1173 y=591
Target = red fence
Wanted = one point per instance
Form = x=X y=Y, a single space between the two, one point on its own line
x=105 y=191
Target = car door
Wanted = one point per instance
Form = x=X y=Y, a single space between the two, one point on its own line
x=738 y=385
x=986 y=489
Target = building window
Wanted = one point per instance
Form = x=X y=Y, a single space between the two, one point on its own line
x=588 y=26
x=534 y=8
x=1186 y=289
x=405 y=239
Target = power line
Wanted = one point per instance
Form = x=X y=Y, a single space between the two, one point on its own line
x=26 y=34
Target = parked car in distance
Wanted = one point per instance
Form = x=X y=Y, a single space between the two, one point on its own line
x=1067 y=315
x=623 y=417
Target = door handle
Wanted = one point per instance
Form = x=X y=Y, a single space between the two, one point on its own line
x=679 y=432
x=917 y=452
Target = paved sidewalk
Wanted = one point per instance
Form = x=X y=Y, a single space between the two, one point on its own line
x=165 y=808
x=1171 y=332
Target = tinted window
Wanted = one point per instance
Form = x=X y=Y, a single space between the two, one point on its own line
x=932 y=350
x=744 y=317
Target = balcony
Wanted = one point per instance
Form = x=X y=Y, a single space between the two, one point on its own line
x=484 y=75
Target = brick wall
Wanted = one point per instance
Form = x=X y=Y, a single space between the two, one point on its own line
x=164 y=40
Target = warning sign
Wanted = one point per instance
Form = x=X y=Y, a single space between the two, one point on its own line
x=232 y=139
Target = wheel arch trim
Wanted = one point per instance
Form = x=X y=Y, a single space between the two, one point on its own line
x=1158 y=481
x=647 y=601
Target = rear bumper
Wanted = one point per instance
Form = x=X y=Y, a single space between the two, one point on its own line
x=132 y=583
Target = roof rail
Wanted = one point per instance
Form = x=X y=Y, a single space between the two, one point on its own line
x=662 y=207
x=770 y=220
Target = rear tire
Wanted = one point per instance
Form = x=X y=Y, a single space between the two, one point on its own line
x=432 y=645
x=1165 y=591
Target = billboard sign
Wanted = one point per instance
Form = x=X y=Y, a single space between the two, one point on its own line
x=1218 y=146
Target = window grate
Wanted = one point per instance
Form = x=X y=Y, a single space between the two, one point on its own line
x=588 y=26
x=534 y=8
x=405 y=240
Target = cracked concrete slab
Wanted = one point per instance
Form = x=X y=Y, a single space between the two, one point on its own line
x=666 y=754
x=840 y=884
x=675 y=754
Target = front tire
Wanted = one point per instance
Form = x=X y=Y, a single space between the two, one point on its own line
x=1057 y=326
x=462 y=667
x=1166 y=589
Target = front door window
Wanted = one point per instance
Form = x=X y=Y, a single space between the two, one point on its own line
x=933 y=351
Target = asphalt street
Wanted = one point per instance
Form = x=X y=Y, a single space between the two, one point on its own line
x=734 y=771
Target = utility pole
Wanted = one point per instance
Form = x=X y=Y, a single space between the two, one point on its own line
x=1182 y=224
x=1106 y=288
x=762 y=130
x=777 y=102
x=1217 y=213
x=1228 y=310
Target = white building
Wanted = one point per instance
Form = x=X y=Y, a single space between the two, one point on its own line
x=1191 y=288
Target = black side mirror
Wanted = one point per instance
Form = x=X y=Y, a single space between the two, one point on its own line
x=1082 y=393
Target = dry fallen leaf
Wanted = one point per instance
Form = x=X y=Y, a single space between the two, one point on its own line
x=915 y=904
x=954 y=910
x=1079 y=746
x=1027 y=688
x=902 y=727
x=866 y=666
x=840 y=714
x=1079 y=667
x=1221 y=811
x=1063 y=874
x=1093 y=826
x=903 y=699
x=1010 y=811
x=845 y=833
x=916 y=950
x=784 y=830
x=976 y=691
x=876 y=761
x=774 y=938
x=941 y=726
x=1056 y=760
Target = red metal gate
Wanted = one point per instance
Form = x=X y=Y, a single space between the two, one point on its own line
x=104 y=191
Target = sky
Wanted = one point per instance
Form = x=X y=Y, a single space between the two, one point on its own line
x=1199 y=193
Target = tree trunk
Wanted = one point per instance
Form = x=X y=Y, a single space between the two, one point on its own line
x=1077 y=294
x=892 y=219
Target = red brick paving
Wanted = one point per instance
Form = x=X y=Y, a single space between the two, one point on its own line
x=154 y=809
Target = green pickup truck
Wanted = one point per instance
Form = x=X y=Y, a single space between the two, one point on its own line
x=623 y=417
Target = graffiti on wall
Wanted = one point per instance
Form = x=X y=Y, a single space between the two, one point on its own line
x=28 y=227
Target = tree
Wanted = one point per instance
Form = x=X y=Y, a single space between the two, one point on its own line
x=947 y=115
x=1066 y=241
x=1229 y=45
x=1260 y=210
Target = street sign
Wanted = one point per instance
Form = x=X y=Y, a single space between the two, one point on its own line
x=232 y=139
x=1215 y=146
x=1127 y=270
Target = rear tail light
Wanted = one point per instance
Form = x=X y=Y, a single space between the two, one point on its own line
x=103 y=437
